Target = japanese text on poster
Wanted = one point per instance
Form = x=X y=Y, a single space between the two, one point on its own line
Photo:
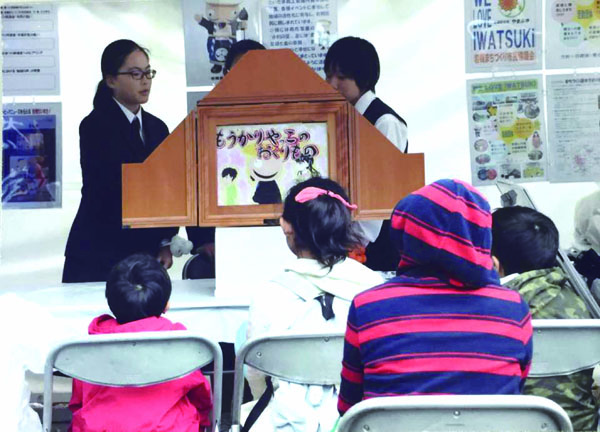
x=572 y=33
x=257 y=164
x=506 y=132
x=30 y=53
x=211 y=27
x=574 y=127
x=502 y=35
x=305 y=26
x=31 y=171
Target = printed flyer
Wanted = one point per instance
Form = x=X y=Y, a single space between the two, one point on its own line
x=210 y=28
x=503 y=35
x=572 y=33
x=31 y=171
x=574 y=127
x=257 y=164
x=306 y=27
x=506 y=130
x=30 y=65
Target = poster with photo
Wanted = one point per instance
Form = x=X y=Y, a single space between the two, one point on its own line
x=506 y=130
x=308 y=27
x=257 y=164
x=503 y=35
x=210 y=28
x=572 y=33
x=574 y=127
x=30 y=62
x=31 y=170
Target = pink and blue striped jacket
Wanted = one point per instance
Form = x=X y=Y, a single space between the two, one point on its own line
x=443 y=325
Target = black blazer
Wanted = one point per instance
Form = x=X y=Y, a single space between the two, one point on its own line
x=105 y=143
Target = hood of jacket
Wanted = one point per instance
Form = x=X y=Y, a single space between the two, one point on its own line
x=443 y=231
x=308 y=278
x=106 y=324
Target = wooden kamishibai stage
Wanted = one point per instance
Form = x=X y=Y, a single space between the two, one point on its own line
x=268 y=117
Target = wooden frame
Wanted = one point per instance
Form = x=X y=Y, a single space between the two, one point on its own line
x=210 y=117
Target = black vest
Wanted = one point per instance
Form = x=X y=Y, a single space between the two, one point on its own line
x=378 y=108
x=382 y=255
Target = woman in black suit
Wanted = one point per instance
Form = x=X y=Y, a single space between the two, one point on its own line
x=117 y=131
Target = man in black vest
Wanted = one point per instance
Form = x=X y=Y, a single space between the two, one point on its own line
x=352 y=68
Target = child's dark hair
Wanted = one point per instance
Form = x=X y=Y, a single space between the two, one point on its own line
x=113 y=57
x=323 y=225
x=523 y=239
x=238 y=49
x=138 y=287
x=354 y=58
x=232 y=172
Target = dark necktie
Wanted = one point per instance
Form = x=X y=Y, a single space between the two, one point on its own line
x=136 y=139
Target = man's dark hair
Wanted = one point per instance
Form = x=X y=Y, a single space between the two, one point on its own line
x=523 y=239
x=137 y=287
x=232 y=172
x=354 y=58
x=238 y=49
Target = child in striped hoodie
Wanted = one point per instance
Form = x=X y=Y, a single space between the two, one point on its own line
x=443 y=325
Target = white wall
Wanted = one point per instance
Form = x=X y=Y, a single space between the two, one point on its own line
x=420 y=43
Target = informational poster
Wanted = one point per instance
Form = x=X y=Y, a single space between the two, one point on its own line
x=210 y=28
x=572 y=33
x=305 y=26
x=257 y=164
x=30 y=53
x=574 y=127
x=506 y=130
x=503 y=35
x=193 y=98
x=31 y=171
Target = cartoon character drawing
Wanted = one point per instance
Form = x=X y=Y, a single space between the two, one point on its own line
x=229 y=187
x=306 y=169
x=266 y=170
x=222 y=21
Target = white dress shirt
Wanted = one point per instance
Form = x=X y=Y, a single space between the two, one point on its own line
x=130 y=116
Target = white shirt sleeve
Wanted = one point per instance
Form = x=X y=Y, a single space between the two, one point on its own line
x=394 y=130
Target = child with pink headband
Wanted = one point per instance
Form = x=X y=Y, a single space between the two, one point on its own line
x=311 y=295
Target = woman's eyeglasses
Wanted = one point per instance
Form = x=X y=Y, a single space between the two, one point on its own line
x=137 y=74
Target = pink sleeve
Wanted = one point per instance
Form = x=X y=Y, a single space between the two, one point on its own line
x=76 y=396
x=200 y=396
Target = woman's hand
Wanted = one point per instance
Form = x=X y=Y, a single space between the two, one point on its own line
x=165 y=257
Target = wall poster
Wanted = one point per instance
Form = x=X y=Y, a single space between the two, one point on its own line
x=503 y=35
x=257 y=164
x=210 y=28
x=572 y=33
x=306 y=27
x=574 y=127
x=31 y=170
x=506 y=130
x=30 y=53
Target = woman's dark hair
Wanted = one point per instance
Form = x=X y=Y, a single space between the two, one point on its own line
x=523 y=239
x=238 y=49
x=323 y=225
x=138 y=287
x=113 y=57
x=354 y=58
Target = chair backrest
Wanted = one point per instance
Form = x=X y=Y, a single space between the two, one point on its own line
x=133 y=360
x=564 y=346
x=298 y=358
x=457 y=413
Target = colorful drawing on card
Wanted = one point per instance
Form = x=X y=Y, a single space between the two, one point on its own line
x=257 y=164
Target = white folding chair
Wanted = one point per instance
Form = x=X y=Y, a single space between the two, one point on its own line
x=564 y=346
x=456 y=413
x=134 y=360
x=298 y=358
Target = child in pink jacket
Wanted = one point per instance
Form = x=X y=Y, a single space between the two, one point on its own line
x=138 y=291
